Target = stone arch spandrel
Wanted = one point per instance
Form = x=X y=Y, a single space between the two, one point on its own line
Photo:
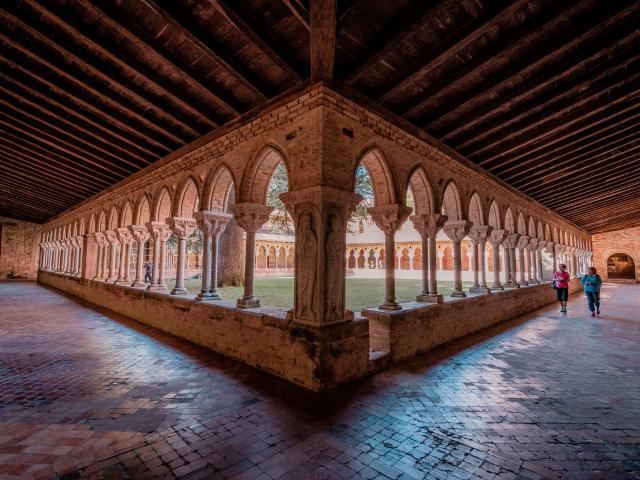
x=113 y=219
x=257 y=175
x=126 y=215
x=452 y=202
x=162 y=205
x=142 y=211
x=217 y=189
x=421 y=187
x=380 y=174
x=187 y=197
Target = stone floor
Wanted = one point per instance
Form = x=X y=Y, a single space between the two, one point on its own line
x=87 y=394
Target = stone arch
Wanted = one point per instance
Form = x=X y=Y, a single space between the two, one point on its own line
x=476 y=213
x=126 y=215
x=102 y=222
x=142 y=210
x=532 y=228
x=522 y=224
x=272 y=257
x=261 y=260
x=81 y=225
x=447 y=258
x=371 y=259
x=417 y=258
x=361 y=261
x=380 y=174
x=405 y=263
x=547 y=233
x=281 y=261
x=92 y=223
x=351 y=260
x=255 y=181
x=217 y=189
x=162 y=205
x=541 y=234
x=112 y=222
x=451 y=203
x=509 y=222
x=423 y=198
x=187 y=198
x=621 y=266
x=74 y=229
x=290 y=257
x=494 y=216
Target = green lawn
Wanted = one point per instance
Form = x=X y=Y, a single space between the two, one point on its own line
x=361 y=292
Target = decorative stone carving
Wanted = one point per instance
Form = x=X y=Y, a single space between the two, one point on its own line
x=251 y=216
x=389 y=218
x=140 y=235
x=428 y=226
x=159 y=233
x=456 y=231
x=211 y=224
x=523 y=241
x=183 y=227
x=479 y=235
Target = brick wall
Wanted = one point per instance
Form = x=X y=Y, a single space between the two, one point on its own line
x=625 y=241
x=19 y=249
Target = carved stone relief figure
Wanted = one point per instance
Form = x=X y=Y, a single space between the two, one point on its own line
x=307 y=258
x=334 y=267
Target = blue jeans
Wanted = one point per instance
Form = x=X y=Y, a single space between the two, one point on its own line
x=593 y=298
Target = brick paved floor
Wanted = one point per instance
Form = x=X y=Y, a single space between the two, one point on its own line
x=88 y=394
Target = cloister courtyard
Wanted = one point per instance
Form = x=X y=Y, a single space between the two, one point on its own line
x=319 y=239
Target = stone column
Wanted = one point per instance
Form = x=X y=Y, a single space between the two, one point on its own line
x=389 y=219
x=211 y=224
x=510 y=243
x=523 y=242
x=479 y=235
x=541 y=246
x=428 y=226
x=101 y=242
x=456 y=231
x=112 y=239
x=533 y=261
x=496 y=239
x=159 y=233
x=183 y=228
x=125 y=239
x=320 y=215
x=251 y=217
x=140 y=235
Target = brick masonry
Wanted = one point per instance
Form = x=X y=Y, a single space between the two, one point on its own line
x=19 y=249
x=620 y=241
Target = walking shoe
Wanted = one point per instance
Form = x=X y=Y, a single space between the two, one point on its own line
x=593 y=314
x=598 y=312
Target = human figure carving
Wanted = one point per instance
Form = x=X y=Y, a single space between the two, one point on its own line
x=333 y=267
x=307 y=258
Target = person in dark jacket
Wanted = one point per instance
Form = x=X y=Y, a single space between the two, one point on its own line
x=147 y=272
x=591 y=283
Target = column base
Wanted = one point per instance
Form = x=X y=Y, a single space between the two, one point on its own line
x=111 y=280
x=485 y=290
x=248 y=302
x=124 y=283
x=179 y=291
x=430 y=298
x=158 y=288
x=497 y=286
x=509 y=286
x=523 y=283
x=98 y=279
x=140 y=285
x=534 y=282
x=208 y=296
x=458 y=294
x=390 y=306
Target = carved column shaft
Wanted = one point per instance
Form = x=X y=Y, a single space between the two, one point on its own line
x=160 y=233
x=456 y=231
x=428 y=226
x=479 y=234
x=183 y=228
x=211 y=224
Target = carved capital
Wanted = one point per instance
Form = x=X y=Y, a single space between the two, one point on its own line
x=389 y=218
x=159 y=231
x=111 y=237
x=457 y=230
x=139 y=233
x=497 y=237
x=541 y=244
x=101 y=240
x=212 y=223
x=183 y=227
x=480 y=233
x=533 y=244
x=511 y=240
x=523 y=242
x=428 y=225
x=251 y=216
x=124 y=236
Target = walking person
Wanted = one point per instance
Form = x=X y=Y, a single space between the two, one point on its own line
x=561 y=284
x=592 y=282
x=147 y=272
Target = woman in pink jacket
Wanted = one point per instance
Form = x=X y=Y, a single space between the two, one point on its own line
x=561 y=284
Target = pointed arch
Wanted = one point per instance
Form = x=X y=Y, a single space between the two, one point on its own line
x=509 y=221
x=162 y=205
x=218 y=188
x=81 y=225
x=92 y=223
x=532 y=228
x=257 y=176
x=476 y=213
x=380 y=174
x=187 y=198
x=142 y=210
x=451 y=202
x=112 y=221
x=522 y=224
x=541 y=232
x=494 y=216
x=126 y=215
x=102 y=222
x=423 y=199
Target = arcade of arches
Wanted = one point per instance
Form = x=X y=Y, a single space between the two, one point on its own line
x=464 y=224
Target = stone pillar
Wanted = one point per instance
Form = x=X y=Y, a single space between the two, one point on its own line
x=140 y=235
x=211 y=224
x=125 y=239
x=159 y=233
x=112 y=239
x=533 y=261
x=320 y=215
x=510 y=243
x=479 y=235
x=428 y=226
x=456 y=231
x=101 y=243
x=523 y=242
x=496 y=239
x=88 y=256
x=541 y=246
x=183 y=228
x=389 y=219
x=251 y=217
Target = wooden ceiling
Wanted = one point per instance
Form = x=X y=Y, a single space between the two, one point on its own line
x=544 y=94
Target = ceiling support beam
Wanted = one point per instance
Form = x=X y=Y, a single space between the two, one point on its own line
x=323 y=39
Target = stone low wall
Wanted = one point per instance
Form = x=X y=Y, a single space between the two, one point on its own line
x=317 y=359
x=418 y=327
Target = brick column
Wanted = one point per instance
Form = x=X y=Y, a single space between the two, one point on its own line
x=456 y=231
x=140 y=235
x=522 y=244
x=428 y=226
x=250 y=217
x=389 y=218
x=211 y=224
x=479 y=235
x=159 y=233
x=125 y=239
x=183 y=228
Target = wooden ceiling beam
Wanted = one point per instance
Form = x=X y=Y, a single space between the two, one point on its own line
x=133 y=94
x=48 y=199
x=299 y=11
x=323 y=39
x=66 y=196
x=26 y=204
x=243 y=22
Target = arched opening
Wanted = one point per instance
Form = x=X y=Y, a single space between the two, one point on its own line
x=451 y=203
x=621 y=266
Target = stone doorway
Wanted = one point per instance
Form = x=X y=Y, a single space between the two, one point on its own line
x=621 y=266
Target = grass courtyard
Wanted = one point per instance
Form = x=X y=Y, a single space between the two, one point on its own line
x=361 y=292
